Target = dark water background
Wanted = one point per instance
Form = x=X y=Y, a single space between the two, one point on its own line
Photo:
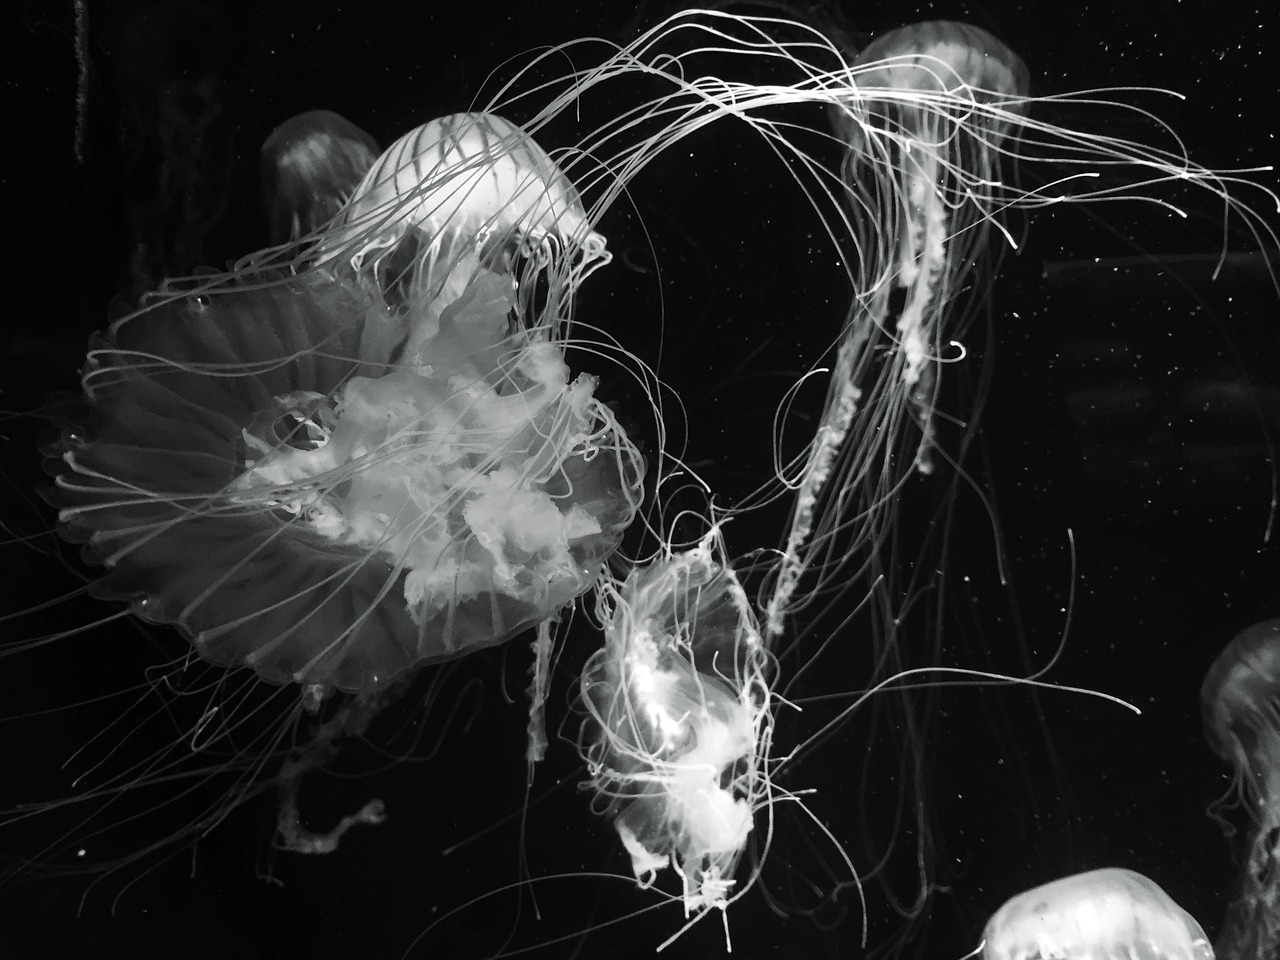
x=1130 y=405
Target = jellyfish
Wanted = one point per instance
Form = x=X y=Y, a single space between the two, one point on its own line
x=945 y=97
x=333 y=484
x=924 y=126
x=331 y=491
x=460 y=197
x=311 y=165
x=413 y=435
x=1108 y=914
x=678 y=718
x=1238 y=708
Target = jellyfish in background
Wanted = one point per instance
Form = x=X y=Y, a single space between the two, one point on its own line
x=311 y=165
x=1109 y=914
x=1238 y=703
x=943 y=97
x=924 y=123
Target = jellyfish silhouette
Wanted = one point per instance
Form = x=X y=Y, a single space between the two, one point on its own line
x=1238 y=704
x=1109 y=914
x=311 y=165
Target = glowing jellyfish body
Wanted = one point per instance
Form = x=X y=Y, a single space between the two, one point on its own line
x=678 y=714
x=331 y=489
x=259 y=473
x=1239 y=701
x=1109 y=914
x=311 y=164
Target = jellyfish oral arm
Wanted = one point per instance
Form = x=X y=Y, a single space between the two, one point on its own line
x=842 y=404
x=923 y=258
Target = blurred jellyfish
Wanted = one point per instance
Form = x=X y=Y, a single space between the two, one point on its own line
x=678 y=721
x=1242 y=726
x=1109 y=914
x=311 y=165
x=942 y=97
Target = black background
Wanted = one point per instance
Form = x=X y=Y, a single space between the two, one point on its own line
x=1167 y=502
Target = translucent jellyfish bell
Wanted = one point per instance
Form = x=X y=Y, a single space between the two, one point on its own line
x=311 y=164
x=1239 y=701
x=257 y=471
x=457 y=194
x=1109 y=914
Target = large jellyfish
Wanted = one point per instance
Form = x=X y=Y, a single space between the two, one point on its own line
x=1238 y=702
x=1109 y=914
x=332 y=477
x=330 y=490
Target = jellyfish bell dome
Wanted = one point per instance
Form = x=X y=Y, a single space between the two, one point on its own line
x=1238 y=696
x=470 y=183
x=943 y=57
x=1108 y=914
x=311 y=164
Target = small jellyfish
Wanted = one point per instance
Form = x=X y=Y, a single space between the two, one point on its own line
x=1238 y=701
x=1109 y=914
x=942 y=97
x=678 y=717
x=311 y=164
